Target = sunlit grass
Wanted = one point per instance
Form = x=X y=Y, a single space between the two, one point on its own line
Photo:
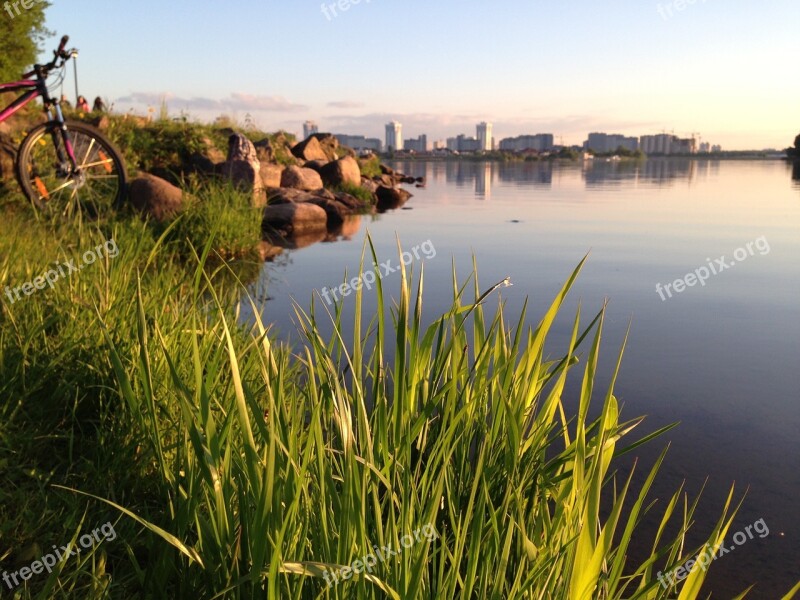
x=236 y=467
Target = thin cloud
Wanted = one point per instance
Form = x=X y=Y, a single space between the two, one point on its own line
x=235 y=102
x=345 y=104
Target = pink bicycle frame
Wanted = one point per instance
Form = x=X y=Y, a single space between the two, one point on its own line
x=34 y=91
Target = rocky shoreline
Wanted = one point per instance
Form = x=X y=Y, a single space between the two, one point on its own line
x=317 y=192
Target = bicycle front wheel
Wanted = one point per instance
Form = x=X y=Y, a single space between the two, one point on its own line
x=49 y=180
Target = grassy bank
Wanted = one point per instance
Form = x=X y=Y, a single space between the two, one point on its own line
x=437 y=452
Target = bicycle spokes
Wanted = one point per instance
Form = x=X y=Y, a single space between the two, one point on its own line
x=92 y=181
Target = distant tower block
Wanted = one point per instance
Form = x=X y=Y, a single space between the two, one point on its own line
x=485 y=140
x=394 y=136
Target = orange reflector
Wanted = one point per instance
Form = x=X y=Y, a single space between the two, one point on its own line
x=42 y=189
x=106 y=162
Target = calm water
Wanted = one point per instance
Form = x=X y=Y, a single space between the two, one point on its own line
x=722 y=358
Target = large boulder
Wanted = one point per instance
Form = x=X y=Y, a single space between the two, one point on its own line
x=296 y=218
x=316 y=165
x=334 y=211
x=271 y=174
x=310 y=149
x=329 y=144
x=390 y=198
x=344 y=171
x=155 y=197
x=243 y=168
x=301 y=178
x=246 y=176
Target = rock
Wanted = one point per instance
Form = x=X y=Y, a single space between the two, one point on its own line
x=310 y=149
x=335 y=211
x=199 y=163
x=246 y=176
x=407 y=179
x=243 y=168
x=301 y=178
x=369 y=185
x=287 y=196
x=390 y=198
x=241 y=148
x=294 y=218
x=330 y=145
x=264 y=150
x=271 y=174
x=155 y=197
x=420 y=180
x=385 y=170
x=316 y=165
x=211 y=152
x=344 y=171
x=351 y=202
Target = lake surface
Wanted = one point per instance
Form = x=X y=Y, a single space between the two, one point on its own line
x=722 y=358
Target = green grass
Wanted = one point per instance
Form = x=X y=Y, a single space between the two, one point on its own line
x=220 y=211
x=235 y=467
x=370 y=167
x=356 y=191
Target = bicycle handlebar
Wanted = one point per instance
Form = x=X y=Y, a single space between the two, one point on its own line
x=60 y=51
x=58 y=54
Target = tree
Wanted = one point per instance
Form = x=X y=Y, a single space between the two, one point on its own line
x=22 y=32
x=794 y=152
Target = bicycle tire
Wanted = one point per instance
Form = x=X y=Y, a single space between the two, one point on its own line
x=40 y=186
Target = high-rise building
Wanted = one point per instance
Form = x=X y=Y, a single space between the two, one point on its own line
x=394 y=136
x=309 y=129
x=359 y=142
x=485 y=140
x=610 y=142
x=541 y=142
x=666 y=143
x=418 y=145
x=463 y=143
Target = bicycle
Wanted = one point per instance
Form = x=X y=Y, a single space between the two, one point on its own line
x=60 y=162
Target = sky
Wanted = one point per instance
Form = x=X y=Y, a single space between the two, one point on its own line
x=724 y=70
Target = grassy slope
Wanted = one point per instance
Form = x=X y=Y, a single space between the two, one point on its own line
x=130 y=381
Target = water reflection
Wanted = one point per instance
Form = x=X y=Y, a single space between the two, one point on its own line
x=273 y=244
x=482 y=176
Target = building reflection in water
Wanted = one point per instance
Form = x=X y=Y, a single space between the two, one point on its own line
x=655 y=172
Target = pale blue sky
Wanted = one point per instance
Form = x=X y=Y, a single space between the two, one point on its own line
x=725 y=69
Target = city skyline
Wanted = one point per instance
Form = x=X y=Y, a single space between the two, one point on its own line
x=724 y=70
x=601 y=142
